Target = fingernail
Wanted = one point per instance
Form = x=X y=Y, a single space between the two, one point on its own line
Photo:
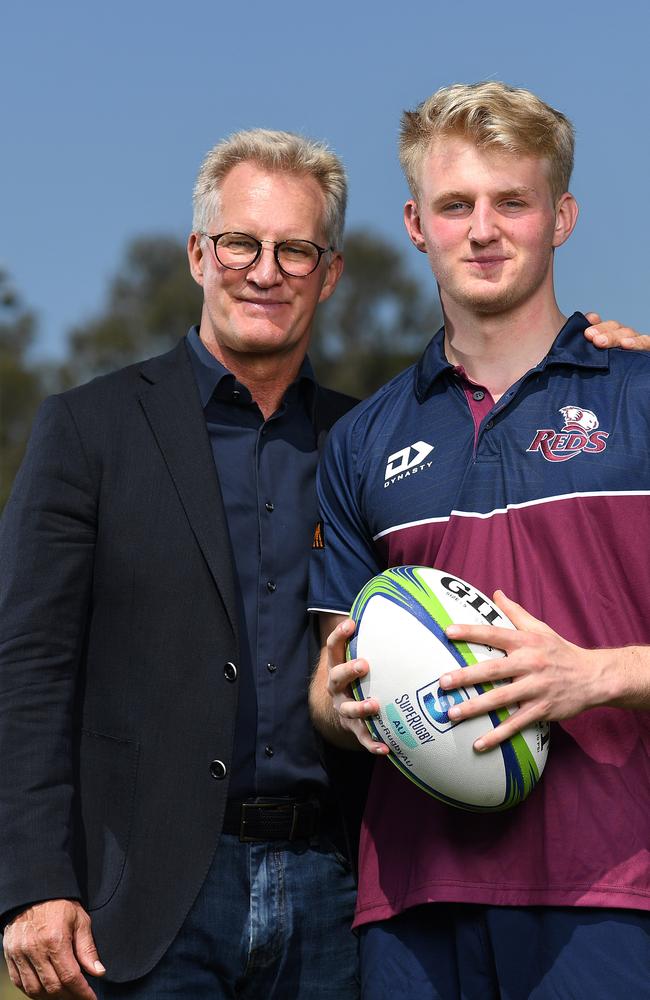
x=445 y=680
x=452 y=630
x=453 y=712
x=99 y=967
x=600 y=339
x=479 y=745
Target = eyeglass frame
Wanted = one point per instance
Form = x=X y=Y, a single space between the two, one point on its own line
x=260 y=247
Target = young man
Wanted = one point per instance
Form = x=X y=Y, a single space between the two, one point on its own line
x=163 y=803
x=536 y=481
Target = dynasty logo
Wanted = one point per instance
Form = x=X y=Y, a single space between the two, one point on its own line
x=579 y=434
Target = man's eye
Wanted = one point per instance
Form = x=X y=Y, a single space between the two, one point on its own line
x=238 y=243
x=513 y=203
x=296 y=250
x=455 y=207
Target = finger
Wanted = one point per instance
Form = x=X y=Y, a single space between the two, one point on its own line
x=507 y=729
x=505 y=639
x=14 y=974
x=494 y=699
x=29 y=982
x=368 y=738
x=85 y=948
x=635 y=342
x=74 y=983
x=337 y=639
x=358 y=709
x=593 y=317
x=485 y=672
x=47 y=976
x=344 y=674
x=520 y=618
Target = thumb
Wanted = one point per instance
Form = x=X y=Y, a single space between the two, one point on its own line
x=593 y=318
x=86 y=950
x=520 y=618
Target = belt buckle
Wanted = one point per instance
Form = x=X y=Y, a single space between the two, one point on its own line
x=245 y=806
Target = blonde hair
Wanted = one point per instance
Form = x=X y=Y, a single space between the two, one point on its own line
x=492 y=115
x=281 y=151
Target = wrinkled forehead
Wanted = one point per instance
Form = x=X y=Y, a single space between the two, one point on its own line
x=250 y=190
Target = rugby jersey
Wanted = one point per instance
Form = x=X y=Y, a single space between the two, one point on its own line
x=546 y=497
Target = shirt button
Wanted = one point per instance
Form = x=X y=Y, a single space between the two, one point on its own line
x=478 y=395
x=218 y=769
x=271 y=586
x=271 y=667
x=489 y=425
x=269 y=506
x=269 y=751
x=236 y=394
x=230 y=671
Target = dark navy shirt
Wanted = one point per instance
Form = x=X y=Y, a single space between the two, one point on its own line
x=267 y=471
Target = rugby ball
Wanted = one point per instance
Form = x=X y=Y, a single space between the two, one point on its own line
x=400 y=617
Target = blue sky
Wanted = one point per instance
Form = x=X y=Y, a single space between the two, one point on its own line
x=108 y=110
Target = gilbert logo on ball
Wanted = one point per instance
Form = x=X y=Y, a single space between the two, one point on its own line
x=401 y=615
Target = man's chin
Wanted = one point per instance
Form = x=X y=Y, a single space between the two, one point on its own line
x=490 y=303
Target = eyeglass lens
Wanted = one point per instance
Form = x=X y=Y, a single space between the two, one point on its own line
x=296 y=257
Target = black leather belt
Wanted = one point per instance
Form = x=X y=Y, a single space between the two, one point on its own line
x=271 y=819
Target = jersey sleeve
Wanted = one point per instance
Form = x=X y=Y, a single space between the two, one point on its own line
x=345 y=557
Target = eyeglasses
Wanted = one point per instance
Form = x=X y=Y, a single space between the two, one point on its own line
x=297 y=258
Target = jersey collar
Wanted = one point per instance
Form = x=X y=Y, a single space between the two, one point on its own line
x=569 y=348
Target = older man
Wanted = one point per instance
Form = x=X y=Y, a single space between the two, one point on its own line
x=160 y=776
x=550 y=899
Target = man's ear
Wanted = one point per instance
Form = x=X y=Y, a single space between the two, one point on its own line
x=195 y=257
x=413 y=227
x=566 y=216
x=334 y=272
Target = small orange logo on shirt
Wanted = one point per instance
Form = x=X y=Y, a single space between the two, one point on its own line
x=319 y=536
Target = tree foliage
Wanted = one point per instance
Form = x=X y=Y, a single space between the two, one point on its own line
x=22 y=383
x=152 y=301
x=377 y=321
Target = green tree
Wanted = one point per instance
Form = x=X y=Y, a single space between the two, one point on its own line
x=22 y=383
x=377 y=321
x=152 y=301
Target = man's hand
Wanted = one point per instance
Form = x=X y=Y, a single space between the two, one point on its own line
x=334 y=711
x=552 y=678
x=341 y=675
x=611 y=333
x=48 y=946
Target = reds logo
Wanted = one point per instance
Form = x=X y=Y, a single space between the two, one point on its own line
x=580 y=434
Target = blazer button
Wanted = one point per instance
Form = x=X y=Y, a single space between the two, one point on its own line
x=230 y=671
x=218 y=769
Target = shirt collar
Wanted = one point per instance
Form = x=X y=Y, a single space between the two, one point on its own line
x=568 y=348
x=211 y=375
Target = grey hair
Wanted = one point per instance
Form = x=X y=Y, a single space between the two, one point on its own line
x=281 y=151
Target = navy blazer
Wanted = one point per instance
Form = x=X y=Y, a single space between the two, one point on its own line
x=117 y=618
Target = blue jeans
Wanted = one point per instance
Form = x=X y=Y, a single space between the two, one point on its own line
x=272 y=922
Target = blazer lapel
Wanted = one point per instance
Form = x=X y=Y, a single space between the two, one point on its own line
x=171 y=404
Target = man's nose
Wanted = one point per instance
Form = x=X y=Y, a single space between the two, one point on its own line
x=483 y=224
x=265 y=271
